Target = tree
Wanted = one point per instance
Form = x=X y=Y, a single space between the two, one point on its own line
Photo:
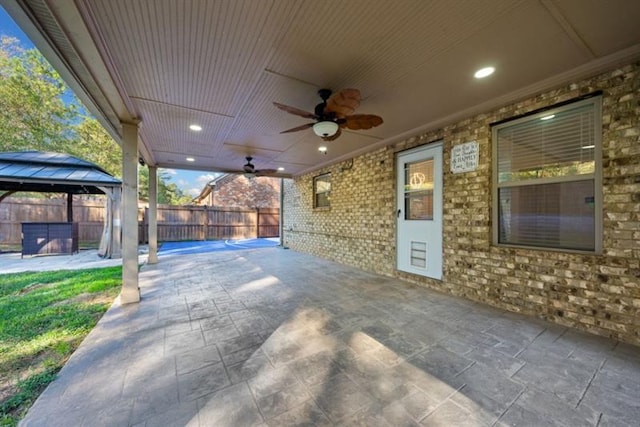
x=39 y=112
x=168 y=192
x=93 y=143
x=33 y=114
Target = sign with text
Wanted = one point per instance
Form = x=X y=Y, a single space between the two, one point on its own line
x=464 y=157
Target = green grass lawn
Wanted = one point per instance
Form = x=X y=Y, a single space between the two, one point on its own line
x=43 y=318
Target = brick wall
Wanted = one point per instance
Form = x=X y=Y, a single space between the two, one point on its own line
x=357 y=229
x=239 y=191
x=597 y=293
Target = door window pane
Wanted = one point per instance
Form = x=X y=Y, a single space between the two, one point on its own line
x=418 y=190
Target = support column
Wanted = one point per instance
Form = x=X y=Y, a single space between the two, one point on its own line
x=153 y=215
x=281 y=213
x=69 y=207
x=130 y=292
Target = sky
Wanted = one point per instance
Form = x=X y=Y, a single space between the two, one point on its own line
x=191 y=182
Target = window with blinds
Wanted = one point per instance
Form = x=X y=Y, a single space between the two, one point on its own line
x=547 y=178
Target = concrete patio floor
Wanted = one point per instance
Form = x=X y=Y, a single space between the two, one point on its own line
x=274 y=337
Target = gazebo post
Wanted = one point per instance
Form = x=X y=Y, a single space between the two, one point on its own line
x=130 y=292
x=69 y=207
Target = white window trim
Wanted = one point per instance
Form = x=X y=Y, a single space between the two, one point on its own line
x=596 y=176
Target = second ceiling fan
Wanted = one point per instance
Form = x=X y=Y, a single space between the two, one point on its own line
x=334 y=113
x=250 y=170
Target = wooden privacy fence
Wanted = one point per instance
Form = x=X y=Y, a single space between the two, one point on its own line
x=89 y=214
x=175 y=223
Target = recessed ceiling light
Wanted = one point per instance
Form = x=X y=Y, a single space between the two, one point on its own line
x=190 y=159
x=280 y=169
x=322 y=149
x=549 y=117
x=196 y=128
x=484 y=72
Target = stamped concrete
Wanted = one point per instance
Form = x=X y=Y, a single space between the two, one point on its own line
x=272 y=337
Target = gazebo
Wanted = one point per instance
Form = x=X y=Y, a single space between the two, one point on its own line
x=43 y=172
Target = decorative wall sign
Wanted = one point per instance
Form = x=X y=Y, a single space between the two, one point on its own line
x=464 y=157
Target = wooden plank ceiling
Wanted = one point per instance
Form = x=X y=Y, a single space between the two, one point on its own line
x=220 y=64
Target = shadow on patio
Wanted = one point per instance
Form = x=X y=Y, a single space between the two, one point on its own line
x=275 y=337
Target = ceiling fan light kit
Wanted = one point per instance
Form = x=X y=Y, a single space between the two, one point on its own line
x=325 y=128
x=335 y=112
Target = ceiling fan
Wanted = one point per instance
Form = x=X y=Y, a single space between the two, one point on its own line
x=334 y=113
x=250 y=169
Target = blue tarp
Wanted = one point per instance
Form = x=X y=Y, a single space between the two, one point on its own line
x=199 y=247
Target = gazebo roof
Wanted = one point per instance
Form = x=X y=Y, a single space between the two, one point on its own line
x=52 y=173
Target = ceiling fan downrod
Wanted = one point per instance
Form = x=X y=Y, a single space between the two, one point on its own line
x=320 y=108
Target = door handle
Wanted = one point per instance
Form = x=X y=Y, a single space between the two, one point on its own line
x=399 y=212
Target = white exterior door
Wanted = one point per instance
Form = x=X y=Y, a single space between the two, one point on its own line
x=419 y=211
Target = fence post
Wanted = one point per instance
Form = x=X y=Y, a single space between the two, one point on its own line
x=257 y=222
x=203 y=223
x=145 y=226
x=260 y=219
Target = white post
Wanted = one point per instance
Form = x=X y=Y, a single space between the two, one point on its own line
x=130 y=292
x=281 y=214
x=153 y=215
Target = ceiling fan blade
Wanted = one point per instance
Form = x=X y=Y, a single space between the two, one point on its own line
x=343 y=103
x=298 y=128
x=266 y=172
x=332 y=137
x=295 y=111
x=362 y=121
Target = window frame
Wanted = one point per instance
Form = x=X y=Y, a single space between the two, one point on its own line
x=327 y=178
x=596 y=177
